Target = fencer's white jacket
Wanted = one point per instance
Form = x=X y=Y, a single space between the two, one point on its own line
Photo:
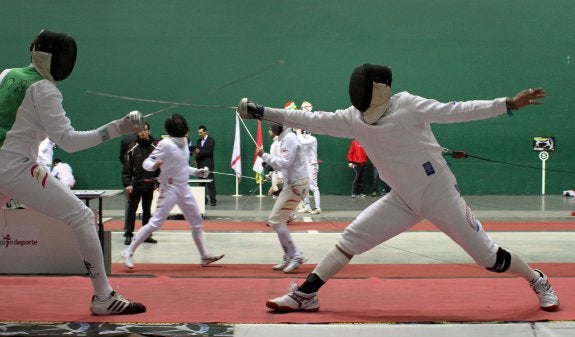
x=309 y=147
x=37 y=114
x=401 y=144
x=175 y=155
x=290 y=161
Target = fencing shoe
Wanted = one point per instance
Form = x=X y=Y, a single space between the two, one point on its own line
x=305 y=209
x=294 y=301
x=116 y=304
x=316 y=210
x=283 y=264
x=548 y=301
x=211 y=259
x=127 y=259
x=295 y=262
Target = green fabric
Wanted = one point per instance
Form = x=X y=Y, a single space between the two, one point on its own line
x=13 y=88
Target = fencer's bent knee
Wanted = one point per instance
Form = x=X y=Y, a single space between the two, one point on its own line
x=502 y=262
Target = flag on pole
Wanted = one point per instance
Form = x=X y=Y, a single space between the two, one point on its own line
x=236 y=153
x=258 y=162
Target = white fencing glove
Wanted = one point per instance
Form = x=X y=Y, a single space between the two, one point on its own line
x=250 y=110
x=204 y=172
x=129 y=124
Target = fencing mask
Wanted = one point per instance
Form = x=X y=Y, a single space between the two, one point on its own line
x=370 y=90
x=54 y=54
x=176 y=126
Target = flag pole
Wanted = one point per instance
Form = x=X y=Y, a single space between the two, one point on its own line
x=237 y=187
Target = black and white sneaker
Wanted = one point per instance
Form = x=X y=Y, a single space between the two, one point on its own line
x=116 y=304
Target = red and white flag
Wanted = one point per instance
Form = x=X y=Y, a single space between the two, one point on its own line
x=236 y=153
x=258 y=162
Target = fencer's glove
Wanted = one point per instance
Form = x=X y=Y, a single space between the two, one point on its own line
x=129 y=124
x=204 y=172
x=250 y=110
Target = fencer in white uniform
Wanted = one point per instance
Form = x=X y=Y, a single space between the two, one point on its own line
x=396 y=134
x=172 y=157
x=309 y=147
x=291 y=163
x=31 y=110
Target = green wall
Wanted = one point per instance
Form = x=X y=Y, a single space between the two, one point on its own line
x=216 y=52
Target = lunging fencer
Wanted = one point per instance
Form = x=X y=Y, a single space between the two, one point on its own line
x=395 y=130
x=292 y=165
x=31 y=110
x=172 y=157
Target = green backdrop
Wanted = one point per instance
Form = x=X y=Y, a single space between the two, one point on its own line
x=218 y=51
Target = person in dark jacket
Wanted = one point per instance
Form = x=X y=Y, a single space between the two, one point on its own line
x=139 y=184
x=204 y=151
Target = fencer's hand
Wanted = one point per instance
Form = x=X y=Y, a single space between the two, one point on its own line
x=525 y=98
x=250 y=110
x=131 y=123
x=260 y=151
x=158 y=163
x=204 y=172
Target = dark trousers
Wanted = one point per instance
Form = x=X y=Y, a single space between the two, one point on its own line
x=132 y=207
x=357 y=183
x=210 y=189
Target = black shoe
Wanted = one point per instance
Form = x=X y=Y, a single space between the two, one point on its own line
x=150 y=239
x=128 y=240
x=213 y=203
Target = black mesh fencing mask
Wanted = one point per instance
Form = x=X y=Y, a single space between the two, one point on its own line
x=361 y=83
x=63 y=50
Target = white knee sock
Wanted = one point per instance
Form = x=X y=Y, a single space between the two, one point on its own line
x=198 y=235
x=519 y=267
x=285 y=239
x=316 y=198
x=91 y=252
x=140 y=237
x=331 y=264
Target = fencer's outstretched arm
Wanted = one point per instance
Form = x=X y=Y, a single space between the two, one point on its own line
x=338 y=123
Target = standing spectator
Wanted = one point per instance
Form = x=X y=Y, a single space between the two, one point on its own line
x=125 y=145
x=396 y=132
x=205 y=158
x=139 y=184
x=63 y=172
x=380 y=187
x=31 y=110
x=357 y=160
x=173 y=155
x=292 y=165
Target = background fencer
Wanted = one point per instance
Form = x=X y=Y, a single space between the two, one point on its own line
x=31 y=110
x=172 y=157
x=395 y=131
x=291 y=163
x=309 y=148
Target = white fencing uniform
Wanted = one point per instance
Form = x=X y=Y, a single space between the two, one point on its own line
x=174 y=190
x=32 y=112
x=309 y=147
x=64 y=173
x=404 y=150
x=291 y=163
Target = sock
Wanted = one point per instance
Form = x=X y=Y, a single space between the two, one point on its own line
x=198 y=236
x=311 y=284
x=332 y=263
x=285 y=239
x=316 y=198
x=519 y=267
